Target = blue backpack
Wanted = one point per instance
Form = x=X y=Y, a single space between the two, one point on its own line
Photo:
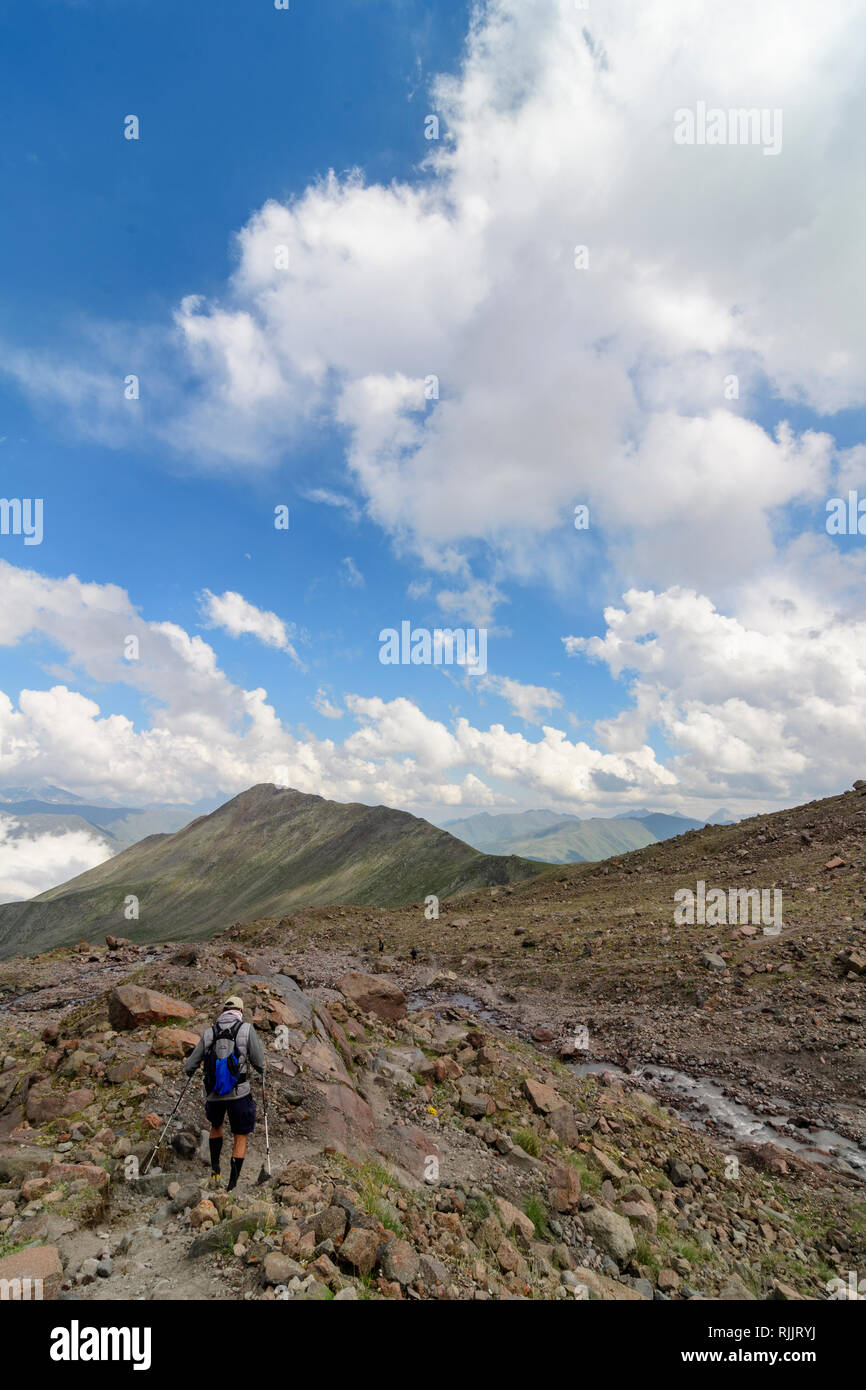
x=223 y=1074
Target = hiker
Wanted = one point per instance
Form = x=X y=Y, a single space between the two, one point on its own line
x=381 y=945
x=226 y=1048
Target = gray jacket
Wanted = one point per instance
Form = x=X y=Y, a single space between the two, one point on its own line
x=249 y=1049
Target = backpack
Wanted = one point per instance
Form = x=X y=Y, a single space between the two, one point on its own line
x=223 y=1074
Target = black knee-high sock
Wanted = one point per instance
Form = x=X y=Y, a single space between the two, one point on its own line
x=215 y=1151
x=237 y=1165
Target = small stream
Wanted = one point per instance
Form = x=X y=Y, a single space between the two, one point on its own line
x=704 y=1104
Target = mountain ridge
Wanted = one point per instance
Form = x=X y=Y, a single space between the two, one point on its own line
x=557 y=838
x=266 y=852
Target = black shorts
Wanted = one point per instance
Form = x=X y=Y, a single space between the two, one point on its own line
x=241 y=1113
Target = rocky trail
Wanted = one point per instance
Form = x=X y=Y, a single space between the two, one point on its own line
x=430 y=1138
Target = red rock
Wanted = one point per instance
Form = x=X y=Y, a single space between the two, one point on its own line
x=174 y=1042
x=345 y=1119
x=374 y=995
x=72 y=1172
x=129 y=1006
x=36 y=1262
x=543 y=1099
x=127 y=1070
x=44 y=1105
x=359 y=1250
x=400 y=1262
x=563 y=1184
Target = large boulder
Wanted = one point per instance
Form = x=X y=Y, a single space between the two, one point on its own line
x=359 y=1250
x=411 y=1148
x=343 y=1118
x=295 y=1009
x=44 y=1105
x=374 y=994
x=32 y=1273
x=22 y=1161
x=174 y=1042
x=543 y=1099
x=608 y=1290
x=563 y=1185
x=610 y=1232
x=90 y=1173
x=129 y=1006
x=399 y=1262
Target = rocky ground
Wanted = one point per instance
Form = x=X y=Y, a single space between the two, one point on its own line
x=778 y=1018
x=432 y=1151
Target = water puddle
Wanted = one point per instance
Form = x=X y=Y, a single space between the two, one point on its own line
x=437 y=1000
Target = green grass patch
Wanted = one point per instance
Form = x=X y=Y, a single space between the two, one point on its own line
x=528 y=1141
x=537 y=1214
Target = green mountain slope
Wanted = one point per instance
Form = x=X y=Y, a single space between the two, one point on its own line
x=266 y=852
x=551 y=836
x=573 y=842
x=562 y=839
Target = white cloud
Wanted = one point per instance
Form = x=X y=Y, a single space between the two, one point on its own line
x=32 y=863
x=207 y=736
x=747 y=719
x=231 y=612
x=323 y=705
x=328 y=498
x=773 y=716
x=557 y=384
x=350 y=574
x=524 y=700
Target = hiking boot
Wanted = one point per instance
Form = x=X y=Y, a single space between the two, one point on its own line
x=214 y=1182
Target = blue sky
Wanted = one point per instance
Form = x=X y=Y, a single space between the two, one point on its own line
x=730 y=670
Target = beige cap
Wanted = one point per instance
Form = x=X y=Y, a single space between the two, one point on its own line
x=234 y=1001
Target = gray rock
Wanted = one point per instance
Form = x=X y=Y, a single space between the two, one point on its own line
x=712 y=961
x=611 y=1233
x=189 y=1196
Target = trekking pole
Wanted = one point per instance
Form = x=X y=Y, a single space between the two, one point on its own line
x=167 y=1123
x=265 y=1173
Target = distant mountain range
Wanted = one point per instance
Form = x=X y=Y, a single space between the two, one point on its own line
x=51 y=810
x=264 y=853
x=555 y=838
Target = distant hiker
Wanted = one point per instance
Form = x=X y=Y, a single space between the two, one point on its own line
x=226 y=1048
x=414 y=953
x=381 y=945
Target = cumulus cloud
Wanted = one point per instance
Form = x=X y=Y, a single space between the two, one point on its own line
x=744 y=715
x=524 y=700
x=207 y=735
x=232 y=613
x=32 y=863
x=741 y=718
x=604 y=384
x=323 y=704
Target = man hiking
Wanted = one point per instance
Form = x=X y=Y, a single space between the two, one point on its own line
x=227 y=1048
